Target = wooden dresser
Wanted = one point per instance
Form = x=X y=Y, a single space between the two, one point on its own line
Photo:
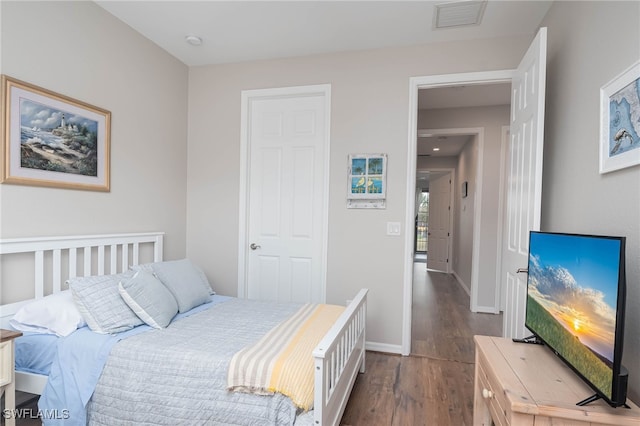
x=524 y=384
x=7 y=374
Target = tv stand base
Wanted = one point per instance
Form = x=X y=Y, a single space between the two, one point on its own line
x=533 y=340
x=595 y=397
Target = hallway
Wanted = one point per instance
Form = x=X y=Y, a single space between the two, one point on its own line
x=442 y=324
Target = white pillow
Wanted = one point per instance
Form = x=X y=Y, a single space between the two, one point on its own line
x=54 y=314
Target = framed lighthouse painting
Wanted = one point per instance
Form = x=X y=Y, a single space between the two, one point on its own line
x=52 y=140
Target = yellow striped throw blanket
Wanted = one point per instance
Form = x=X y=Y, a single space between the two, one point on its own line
x=282 y=361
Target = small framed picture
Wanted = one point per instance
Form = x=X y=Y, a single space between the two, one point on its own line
x=620 y=121
x=52 y=140
x=367 y=176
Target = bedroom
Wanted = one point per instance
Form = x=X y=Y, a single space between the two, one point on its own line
x=175 y=154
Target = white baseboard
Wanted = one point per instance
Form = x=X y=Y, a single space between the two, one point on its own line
x=464 y=286
x=478 y=309
x=487 y=310
x=383 y=347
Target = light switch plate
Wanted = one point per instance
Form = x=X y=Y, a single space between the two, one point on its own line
x=393 y=228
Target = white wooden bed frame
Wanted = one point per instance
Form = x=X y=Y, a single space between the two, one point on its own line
x=339 y=356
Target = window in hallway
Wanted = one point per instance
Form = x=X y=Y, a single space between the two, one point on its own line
x=422 y=223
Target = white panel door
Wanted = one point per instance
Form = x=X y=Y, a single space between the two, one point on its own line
x=286 y=194
x=439 y=223
x=524 y=180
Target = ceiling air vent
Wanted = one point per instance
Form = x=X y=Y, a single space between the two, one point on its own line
x=459 y=13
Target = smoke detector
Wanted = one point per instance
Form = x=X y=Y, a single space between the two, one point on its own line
x=193 y=40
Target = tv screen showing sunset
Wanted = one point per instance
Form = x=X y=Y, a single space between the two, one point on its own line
x=572 y=298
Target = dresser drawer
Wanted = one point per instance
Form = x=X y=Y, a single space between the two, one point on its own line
x=491 y=397
x=6 y=359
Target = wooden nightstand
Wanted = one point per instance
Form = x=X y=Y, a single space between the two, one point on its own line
x=7 y=373
x=523 y=384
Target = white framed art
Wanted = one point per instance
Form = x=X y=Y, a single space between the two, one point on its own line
x=367 y=181
x=620 y=121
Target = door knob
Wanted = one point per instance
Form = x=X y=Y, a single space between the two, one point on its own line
x=254 y=246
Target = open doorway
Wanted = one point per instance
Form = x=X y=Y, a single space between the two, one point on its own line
x=526 y=120
x=473 y=181
x=434 y=219
x=433 y=226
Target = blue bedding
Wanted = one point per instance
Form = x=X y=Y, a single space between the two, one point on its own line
x=35 y=352
x=77 y=366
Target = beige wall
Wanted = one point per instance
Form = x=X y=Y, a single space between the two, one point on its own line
x=602 y=41
x=424 y=163
x=464 y=214
x=369 y=113
x=79 y=50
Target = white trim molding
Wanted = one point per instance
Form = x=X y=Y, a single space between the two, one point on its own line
x=247 y=96
x=384 y=347
x=416 y=83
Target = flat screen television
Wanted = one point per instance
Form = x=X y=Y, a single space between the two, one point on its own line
x=576 y=290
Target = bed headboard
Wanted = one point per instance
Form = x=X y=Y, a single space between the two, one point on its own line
x=50 y=261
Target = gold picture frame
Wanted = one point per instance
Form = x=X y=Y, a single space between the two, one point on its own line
x=52 y=140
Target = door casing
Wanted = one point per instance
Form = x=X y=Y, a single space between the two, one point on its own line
x=247 y=96
x=426 y=82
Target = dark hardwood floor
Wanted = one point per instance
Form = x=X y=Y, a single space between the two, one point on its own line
x=433 y=386
x=27 y=404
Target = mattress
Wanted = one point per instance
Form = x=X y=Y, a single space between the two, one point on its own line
x=176 y=375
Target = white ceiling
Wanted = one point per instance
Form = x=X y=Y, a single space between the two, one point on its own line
x=465 y=96
x=446 y=145
x=235 y=31
x=451 y=145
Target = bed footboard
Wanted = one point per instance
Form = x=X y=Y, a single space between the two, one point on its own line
x=338 y=358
